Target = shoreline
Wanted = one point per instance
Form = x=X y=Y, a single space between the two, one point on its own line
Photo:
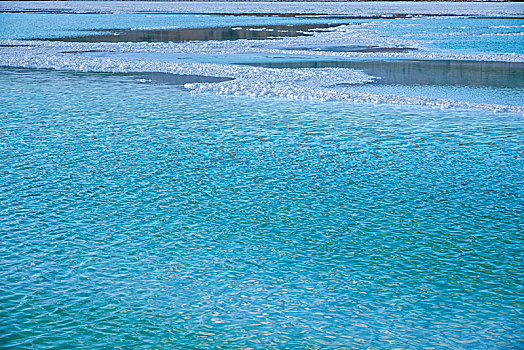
x=354 y=9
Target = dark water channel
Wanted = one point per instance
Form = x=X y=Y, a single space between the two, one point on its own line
x=201 y=34
x=425 y=72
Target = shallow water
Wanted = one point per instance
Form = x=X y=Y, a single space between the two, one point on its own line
x=176 y=220
x=475 y=81
x=424 y=72
x=201 y=34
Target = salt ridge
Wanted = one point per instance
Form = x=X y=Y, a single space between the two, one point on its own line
x=306 y=84
x=312 y=84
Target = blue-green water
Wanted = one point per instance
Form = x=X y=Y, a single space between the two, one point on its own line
x=142 y=216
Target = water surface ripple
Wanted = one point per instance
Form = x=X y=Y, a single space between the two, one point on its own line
x=166 y=219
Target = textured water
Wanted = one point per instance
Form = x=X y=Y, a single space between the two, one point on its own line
x=140 y=210
x=172 y=220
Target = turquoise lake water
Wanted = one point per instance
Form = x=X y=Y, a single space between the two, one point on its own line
x=136 y=214
x=141 y=216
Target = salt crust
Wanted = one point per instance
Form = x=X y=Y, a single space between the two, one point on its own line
x=310 y=84
x=306 y=84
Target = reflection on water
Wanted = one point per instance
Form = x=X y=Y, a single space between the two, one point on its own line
x=201 y=34
x=403 y=72
x=175 y=79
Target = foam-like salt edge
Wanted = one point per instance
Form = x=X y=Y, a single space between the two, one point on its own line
x=303 y=84
x=243 y=88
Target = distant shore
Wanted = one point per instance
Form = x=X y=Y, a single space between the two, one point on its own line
x=272 y=7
